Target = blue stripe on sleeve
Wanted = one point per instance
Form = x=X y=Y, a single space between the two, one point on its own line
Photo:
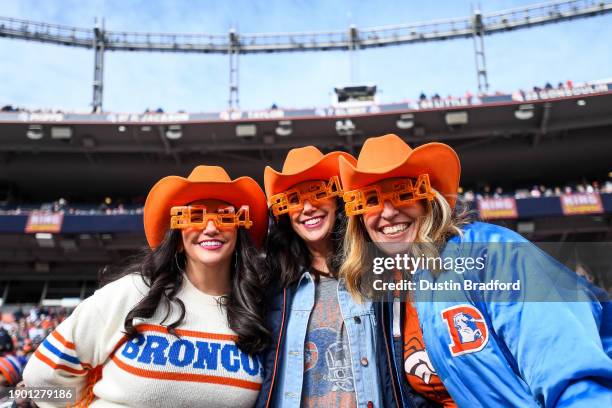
x=58 y=353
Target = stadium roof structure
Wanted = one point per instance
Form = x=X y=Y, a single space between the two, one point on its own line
x=352 y=39
x=249 y=43
x=549 y=139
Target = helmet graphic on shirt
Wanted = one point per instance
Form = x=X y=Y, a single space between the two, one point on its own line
x=327 y=365
x=337 y=357
x=467 y=328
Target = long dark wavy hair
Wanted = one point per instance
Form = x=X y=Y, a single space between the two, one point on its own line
x=162 y=271
x=287 y=253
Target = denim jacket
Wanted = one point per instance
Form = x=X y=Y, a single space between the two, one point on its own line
x=287 y=365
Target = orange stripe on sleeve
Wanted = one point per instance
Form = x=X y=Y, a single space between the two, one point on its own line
x=68 y=345
x=55 y=366
x=165 y=375
x=62 y=340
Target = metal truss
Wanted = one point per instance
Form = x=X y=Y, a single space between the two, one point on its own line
x=528 y=16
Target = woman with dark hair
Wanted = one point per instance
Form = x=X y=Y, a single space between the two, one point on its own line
x=325 y=350
x=183 y=325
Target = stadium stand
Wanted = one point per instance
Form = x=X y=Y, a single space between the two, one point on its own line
x=111 y=206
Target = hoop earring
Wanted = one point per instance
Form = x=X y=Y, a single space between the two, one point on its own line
x=177 y=263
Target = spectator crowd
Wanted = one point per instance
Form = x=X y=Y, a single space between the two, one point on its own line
x=21 y=332
x=536 y=191
x=118 y=206
x=108 y=206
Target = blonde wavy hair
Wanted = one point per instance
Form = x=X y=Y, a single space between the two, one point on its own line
x=439 y=223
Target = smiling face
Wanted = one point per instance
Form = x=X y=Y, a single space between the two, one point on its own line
x=212 y=246
x=392 y=225
x=315 y=221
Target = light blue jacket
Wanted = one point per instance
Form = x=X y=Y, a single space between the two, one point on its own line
x=549 y=344
x=361 y=329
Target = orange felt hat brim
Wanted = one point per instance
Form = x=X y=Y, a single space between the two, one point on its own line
x=174 y=191
x=276 y=182
x=437 y=160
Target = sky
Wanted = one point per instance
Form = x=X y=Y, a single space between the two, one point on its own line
x=37 y=75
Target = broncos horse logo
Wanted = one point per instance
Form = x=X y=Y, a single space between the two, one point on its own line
x=416 y=361
x=467 y=328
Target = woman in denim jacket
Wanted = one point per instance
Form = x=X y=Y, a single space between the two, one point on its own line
x=325 y=348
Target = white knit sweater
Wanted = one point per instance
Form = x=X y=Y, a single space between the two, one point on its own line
x=156 y=369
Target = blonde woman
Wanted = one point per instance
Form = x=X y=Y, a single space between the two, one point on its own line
x=448 y=343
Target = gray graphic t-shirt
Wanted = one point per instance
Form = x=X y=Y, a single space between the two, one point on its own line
x=328 y=376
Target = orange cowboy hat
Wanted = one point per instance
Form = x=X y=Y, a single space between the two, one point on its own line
x=204 y=182
x=389 y=156
x=302 y=164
